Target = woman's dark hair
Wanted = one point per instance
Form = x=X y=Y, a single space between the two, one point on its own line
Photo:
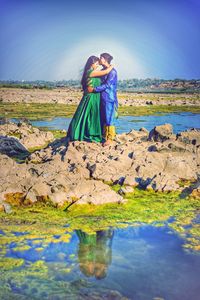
x=107 y=57
x=91 y=60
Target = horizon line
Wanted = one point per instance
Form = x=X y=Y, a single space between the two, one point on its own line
x=137 y=78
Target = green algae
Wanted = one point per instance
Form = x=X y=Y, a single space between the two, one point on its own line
x=38 y=268
x=58 y=134
x=156 y=110
x=15 y=199
x=42 y=225
x=38 y=281
x=36 y=148
x=20 y=280
x=22 y=248
x=36 y=111
x=185 y=182
x=15 y=134
x=8 y=263
x=147 y=207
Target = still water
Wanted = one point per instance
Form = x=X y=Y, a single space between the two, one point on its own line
x=137 y=263
x=180 y=121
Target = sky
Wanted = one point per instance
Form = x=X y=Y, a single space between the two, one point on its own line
x=52 y=39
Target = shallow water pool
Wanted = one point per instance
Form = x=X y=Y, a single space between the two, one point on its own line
x=138 y=262
x=180 y=121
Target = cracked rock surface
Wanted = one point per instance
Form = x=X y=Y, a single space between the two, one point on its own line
x=80 y=171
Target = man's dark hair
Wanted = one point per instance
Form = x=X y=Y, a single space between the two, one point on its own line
x=107 y=57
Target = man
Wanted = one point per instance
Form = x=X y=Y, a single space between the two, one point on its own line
x=109 y=102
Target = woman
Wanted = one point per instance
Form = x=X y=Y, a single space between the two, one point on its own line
x=85 y=124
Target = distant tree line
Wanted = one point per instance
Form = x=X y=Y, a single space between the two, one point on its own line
x=137 y=85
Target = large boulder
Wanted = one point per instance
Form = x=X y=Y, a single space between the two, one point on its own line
x=150 y=164
x=131 y=179
x=181 y=166
x=7 y=164
x=133 y=135
x=96 y=192
x=60 y=198
x=191 y=136
x=12 y=147
x=161 y=133
x=163 y=183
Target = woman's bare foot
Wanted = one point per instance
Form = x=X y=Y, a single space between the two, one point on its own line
x=107 y=143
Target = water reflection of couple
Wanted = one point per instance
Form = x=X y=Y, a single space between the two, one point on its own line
x=93 y=120
x=95 y=252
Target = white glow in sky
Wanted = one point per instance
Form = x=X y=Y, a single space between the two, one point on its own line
x=126 y=62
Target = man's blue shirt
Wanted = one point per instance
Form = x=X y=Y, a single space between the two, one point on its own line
x=108 y=88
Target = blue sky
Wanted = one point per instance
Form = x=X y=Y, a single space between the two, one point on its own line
x=51 y=40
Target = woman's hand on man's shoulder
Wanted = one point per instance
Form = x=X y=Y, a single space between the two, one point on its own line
x=90 y=89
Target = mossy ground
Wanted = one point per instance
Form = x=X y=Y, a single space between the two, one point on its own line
x=58 y=134
x=142 y=207
x=41 y=225
x=156 y=109
x=36 y=111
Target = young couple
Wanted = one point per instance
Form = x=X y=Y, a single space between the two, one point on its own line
x=93 y=120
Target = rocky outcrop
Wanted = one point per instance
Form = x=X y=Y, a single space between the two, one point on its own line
x=12 y=147
x=161 y=133
x=22 y=136
x=81 y=172
x=189 y=137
